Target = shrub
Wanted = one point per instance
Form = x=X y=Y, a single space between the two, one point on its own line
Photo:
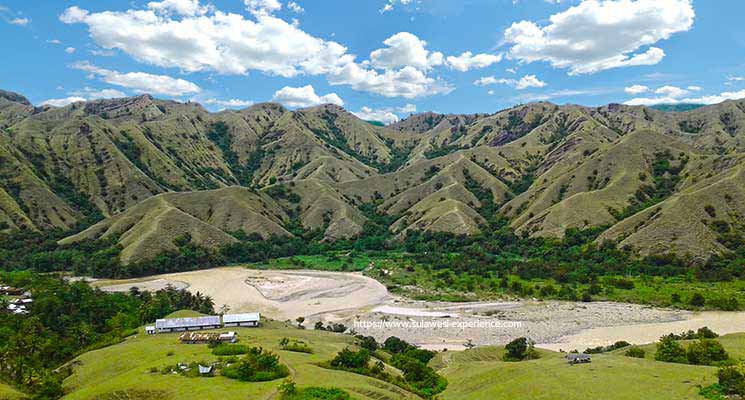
x=520 y=349
x=351 y=359
x=258 y=365
x=697 y=300
x=229 y=349
x=316 y=393
x=706 y=333
x=295 y=345
x=669 y=350
x=731 y=380
x=367 y=342
x=395 y=345
x=706 y=352
x=635 y=352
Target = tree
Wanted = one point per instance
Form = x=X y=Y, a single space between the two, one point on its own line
x=732 y=380
x=697 y=300
x=706 y=352
x=350 y=359
x=635 y=352
x=520 y=349
x=669 y=350
x=300 y=321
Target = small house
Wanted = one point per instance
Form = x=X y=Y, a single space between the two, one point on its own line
x=228 y=337
x=187 y=324
x=247 y=319
x=150 y=329
x=574 y=358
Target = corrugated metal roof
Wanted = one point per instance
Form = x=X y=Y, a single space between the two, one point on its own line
x=238 y=318
x=174 y=323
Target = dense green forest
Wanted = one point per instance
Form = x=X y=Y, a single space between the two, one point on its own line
x=70 y=318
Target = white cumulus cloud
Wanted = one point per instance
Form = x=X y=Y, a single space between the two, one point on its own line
x=84 y=95
x=527 y=81
x=300 y=97
x=468 y=61
x=601 y=34
x=405 y=49
x=295 y=7
x=140 y=81
x=636 y=89
x=387 y=115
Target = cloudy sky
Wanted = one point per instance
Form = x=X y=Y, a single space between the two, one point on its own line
x=381 y=59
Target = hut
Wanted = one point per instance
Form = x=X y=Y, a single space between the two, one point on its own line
x=150 y=329
x=574 y=358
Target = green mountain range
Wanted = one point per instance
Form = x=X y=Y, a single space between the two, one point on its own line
x=145 y=172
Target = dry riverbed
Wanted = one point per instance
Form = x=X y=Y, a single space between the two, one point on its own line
x=364 y=304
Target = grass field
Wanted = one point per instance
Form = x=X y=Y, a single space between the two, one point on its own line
x=8 y=393
x=122 y=370
x=479 y=374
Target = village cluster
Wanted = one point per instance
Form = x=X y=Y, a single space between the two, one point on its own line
x=189 y=325
x=19 y=299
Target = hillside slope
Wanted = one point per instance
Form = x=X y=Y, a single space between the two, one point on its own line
x=639 y=173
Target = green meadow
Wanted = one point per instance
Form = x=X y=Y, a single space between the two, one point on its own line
x=123 y=371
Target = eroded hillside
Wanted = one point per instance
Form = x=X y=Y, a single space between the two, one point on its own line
x=151 y=171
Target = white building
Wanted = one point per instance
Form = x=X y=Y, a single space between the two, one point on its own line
x=187 y=324
x=247 y=319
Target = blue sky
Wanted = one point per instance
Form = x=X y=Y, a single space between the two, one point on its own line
x=381 y=59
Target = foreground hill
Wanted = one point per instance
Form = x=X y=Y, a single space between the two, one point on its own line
x=654 y=181
x=123 y=370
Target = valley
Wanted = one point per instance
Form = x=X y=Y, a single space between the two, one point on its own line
x=565 y=226
x=352 y=299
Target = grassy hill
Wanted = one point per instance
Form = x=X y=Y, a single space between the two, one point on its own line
x=123 y=370
x=549 y=168
x=483 y=376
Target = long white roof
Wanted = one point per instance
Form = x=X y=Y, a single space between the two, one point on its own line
x=238 y=318
x=174 y=323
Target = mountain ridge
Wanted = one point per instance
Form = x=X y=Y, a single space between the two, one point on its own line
x=547 y=168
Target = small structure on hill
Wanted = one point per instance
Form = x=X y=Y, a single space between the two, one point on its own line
x=150 y=329
x=228 y=337
x=574 y=358
x=206 y=338
x=247 y=319
x=198 y=338
x=10 y=290
x=187 y=324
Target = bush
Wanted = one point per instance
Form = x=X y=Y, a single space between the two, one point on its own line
x=258 y=365
x=367 y=342
x=706 y=352
x=395 y=345
x=295 y=345
x=349 y=359
x=635 y=352
x=316 y=393
x=669 y=350
x=520 y=349
x=229 y=349
x=731 y=380
x=697 y=300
